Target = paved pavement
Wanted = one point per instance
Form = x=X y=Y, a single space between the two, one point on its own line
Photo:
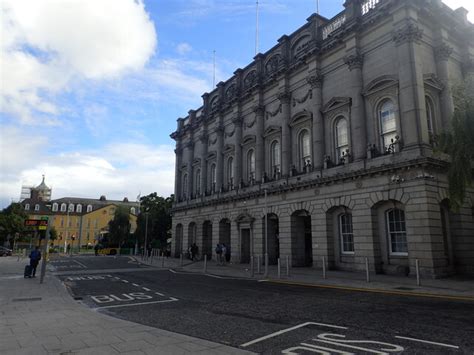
x=44 y=319
x=455 y=287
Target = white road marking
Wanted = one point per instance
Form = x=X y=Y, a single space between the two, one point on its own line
x=172 y=299
x=125 y=281
x=289 y=330
x=171 y=270
x=160 y=294
x=429 y=342
x=146 y=289
x=340 y=340
x=215 y=276
x=135 y=285
x=77 y=262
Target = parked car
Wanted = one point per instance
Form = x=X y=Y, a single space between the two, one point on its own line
x=5 y=251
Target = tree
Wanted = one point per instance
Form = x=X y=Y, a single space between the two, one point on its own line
x=12 y=221
x=119 y=227
x=458 y=142
x=159 y=219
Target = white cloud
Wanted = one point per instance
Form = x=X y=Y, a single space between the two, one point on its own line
x=183 y=48
x=467 y=4
x=47 y=45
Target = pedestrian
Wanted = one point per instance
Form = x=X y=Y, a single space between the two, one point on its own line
x=194 y=250
x=224 y=251
x=96 y=249
x=227 y=253
x=35 y=257
x=219 y=253
x=68 y=249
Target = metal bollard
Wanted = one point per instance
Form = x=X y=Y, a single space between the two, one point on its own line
x=324 y=267
x=367 y=269
x=279 y=271
x=205 y=264
x=252 y=266
x=417 y=265
x=288 y=265
x=258 y=264
x=181 y=260
x=163 y=260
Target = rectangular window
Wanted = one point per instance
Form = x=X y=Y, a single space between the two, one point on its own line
x=397 y=232
x=346 y=234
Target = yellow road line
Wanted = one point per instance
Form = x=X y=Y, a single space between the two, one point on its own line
x=374 y=290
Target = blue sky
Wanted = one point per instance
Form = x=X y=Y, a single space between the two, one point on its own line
x=91 y=90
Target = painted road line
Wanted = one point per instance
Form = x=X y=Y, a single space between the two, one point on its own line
x=283 y=331
x=171 y=270
x=171 y=299
x=429 y=342
x=79 y=263
x=373 y=290
x=135 y=285
x=146 y=289
x=125 y=281
x=160 y=294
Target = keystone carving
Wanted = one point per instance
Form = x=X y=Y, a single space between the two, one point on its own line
x=354 y=61
x=315 y=81
x=409 y=33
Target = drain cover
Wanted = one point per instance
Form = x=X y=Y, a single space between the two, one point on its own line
x=26 y=299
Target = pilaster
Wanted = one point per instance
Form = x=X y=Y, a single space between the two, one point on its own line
x=315 y=80
x=285 y=98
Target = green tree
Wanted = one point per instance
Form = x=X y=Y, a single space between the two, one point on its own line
x=12 y=221
x=458 y=142
x=159 y=219
x=119 y=227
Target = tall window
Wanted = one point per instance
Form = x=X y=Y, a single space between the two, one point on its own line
x=305 y=149
x=275 y=158
x=397 y=235
x=71 y=208
x=55 y=207
x=342 y=138
x=345 y=233
x=251 y=165
x=198 y=182
x=213 y=177
x=388 y=124
x=27 y=207
x=230 y=172
x=37 y=207
x=79 y=208
x=63 y=207
x=89 y=208
x=429 y=116
x=185 y=186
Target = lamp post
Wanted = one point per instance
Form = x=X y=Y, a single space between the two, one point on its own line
x=45 y=248
x=67 y=228
x=266 y=237
x=146 y=232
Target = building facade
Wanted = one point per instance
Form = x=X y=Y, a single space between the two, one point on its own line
x=327 y=139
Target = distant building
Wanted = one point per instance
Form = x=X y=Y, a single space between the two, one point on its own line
x=78 y=220
x=328 y=137
x=42 y=191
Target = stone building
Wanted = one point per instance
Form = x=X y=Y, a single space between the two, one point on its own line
x=327 y=139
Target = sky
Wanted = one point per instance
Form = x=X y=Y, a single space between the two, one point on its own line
x=91 y=89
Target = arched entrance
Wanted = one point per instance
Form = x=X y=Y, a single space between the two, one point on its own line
x=207 y=239
x=301 y=239
x=178 y=241
x=224 y=231
x=273 y=238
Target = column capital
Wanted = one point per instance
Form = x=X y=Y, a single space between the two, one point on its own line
x=203 y=137
x=189 y=145
x=315 y=81
x=354 y=61
x=259 y=110
x=442 y=52
x=284 y=97
x=408 y=33
x=237 y=120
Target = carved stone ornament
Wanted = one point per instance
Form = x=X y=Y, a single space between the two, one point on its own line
x=259 y=110
x=203 y=138
x=443 y=51
x=409 y=33
x=270 y=114
x=250 y=79
x=231 y=92
x=213 y=140
x=309 y=95
x=315 y=81
x=284 y=97
x=215 y=104
x=354 y=61
x=250 y=124
x=189 y=145
x=272 y=65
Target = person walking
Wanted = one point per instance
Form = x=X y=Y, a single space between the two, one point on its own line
x=219 y=253
x=227 y=253
x=224 y=251
x=35 y=257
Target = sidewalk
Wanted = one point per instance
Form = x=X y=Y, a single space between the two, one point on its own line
x=461 y=288
x=44 y=319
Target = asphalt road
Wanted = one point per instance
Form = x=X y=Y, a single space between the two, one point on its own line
x=270 y=318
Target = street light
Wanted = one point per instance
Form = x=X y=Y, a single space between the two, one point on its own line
x=266 y=237
x=146 y=232
x=67 y=228
x=46 y=246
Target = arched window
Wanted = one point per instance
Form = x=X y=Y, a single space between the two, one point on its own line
x=213 y=177
x=251 y=165
x=27 y=206
x=63 y=207
x=230 y=172
x=346 y=236
x=79 y=208
x=396 y=229
x=71 y=208
x=275 y=158
x=37 y=207
x=185 y=186
x=341 y=138
x=89 y=208
x=304 y=149
x=388 y=124
x=430 y=116
x=55 y=207
x=198 y=182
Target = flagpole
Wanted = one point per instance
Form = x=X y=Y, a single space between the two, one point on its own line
x=213 y=69
x=256 y=27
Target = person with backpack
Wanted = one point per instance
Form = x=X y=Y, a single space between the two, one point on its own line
x=219 y=253
x=35 y=257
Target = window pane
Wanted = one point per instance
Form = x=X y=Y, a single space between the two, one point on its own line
x=305 y=144
x=346 y=235
x=341 y=133
x=387 y=117
x=397 y=231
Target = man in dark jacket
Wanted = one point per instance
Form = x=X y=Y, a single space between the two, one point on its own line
x=35 y=257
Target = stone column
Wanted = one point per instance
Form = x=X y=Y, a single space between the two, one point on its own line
x=358 y=132
x=177 y=177
x=414 y=127
x=442 y=54
x=204 y=144
x=190 y=147
x=284 y=98
x=316 y=83
x=220 y=158
x=238 y=151
x=260 y=148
